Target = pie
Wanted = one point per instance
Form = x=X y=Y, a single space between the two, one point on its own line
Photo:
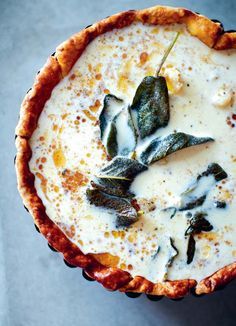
x=125 y=152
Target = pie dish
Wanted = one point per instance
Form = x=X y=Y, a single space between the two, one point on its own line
x=179 y=233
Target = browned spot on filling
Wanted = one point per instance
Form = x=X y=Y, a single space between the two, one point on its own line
x=107 y=259
x=43 y=183
x=59 y=158
x=154 y=30
x=106 y=234
x=95 y=106
x=89 y=115
x=54 y=127
x=124 y=83
x=123 y=266
x=72 y=77
x=90 y=68
x=130 y=267
x=98 y=76
x=211 y=236
x=72 y=180
x=56 y=188
x=63 y=116
x=132 y=238
x=143 y=58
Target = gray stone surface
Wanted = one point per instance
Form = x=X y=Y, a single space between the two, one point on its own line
x=36 y=288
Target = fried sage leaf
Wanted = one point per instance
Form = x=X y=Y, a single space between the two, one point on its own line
x=216 y=170
x=151 y=100
x=154 y=256
x=192 y=203
x=110 y=142
x=115 y=178
x=220 y=204
x=112 y=105
x=172 y=210
x=123 y=167
x=173 y=254
x=191 y=249
x=198 y=223
x=111 y=188
x=114 y=187
x=196 y=193
x=114 y=119
x=163 y=146
x=151 y=105
x=125 y=212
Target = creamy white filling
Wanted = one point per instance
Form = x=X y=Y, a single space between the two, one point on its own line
x=66 y=152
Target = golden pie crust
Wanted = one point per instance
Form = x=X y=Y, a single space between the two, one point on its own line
x=58 y=66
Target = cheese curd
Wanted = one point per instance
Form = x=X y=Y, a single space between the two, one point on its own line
x=173 y=79
x=67 y=152
x=223 y=97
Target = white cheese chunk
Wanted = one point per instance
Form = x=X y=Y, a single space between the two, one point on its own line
x=223 y=97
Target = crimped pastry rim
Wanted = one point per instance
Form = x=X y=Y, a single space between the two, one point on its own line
x=57 y=67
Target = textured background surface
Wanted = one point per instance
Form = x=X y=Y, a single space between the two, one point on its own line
x=36 y=288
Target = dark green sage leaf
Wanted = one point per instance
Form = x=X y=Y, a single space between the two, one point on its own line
x=111 y=106
x=123 y=167
x=161 y=147
x=125 y=212
x=154 y=256
x=190 y=249
x=172 y=211
x=117 y=130
x=110 y=142
x=220 y=204
x=111 y=188
x=173 y=254
x=151 y=105
x=114 y=187
x=193 y=202
x=188 y=214
x=132 y=124
x=196 y=193
x=151 y=100
x=115 y=179
x=216 y=170
x=198 y=223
